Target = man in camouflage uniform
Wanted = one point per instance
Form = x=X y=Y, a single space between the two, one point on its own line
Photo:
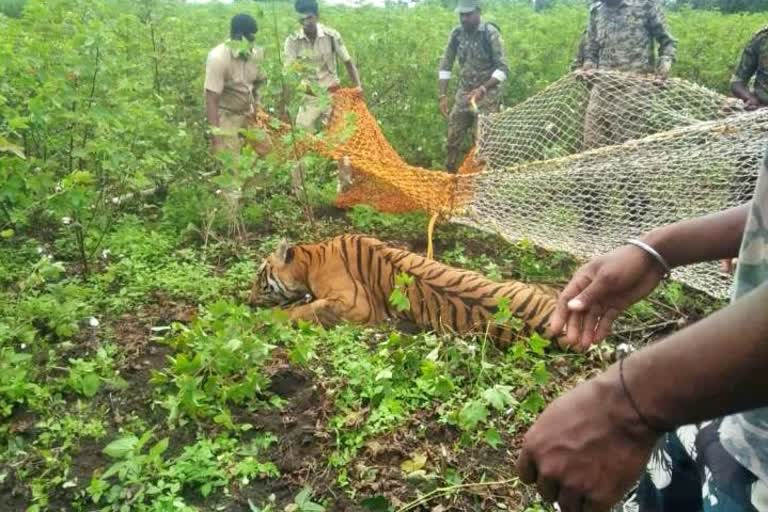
x=754 y=62
x=620 y=37
x=480 y=50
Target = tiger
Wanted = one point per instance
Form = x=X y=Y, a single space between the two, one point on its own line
x=351 y=277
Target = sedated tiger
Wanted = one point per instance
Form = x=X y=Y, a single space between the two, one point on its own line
x=350 y=278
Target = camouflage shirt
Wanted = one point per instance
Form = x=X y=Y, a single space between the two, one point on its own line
x=622 y=36
x=754 y=62
x=480 y=54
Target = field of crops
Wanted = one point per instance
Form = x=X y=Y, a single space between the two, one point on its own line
x=132 y=374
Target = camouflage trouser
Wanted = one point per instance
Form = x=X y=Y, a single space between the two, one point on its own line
x=460 y=120
x=611 y=116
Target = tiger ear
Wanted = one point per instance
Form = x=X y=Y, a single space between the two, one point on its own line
x=284 y=252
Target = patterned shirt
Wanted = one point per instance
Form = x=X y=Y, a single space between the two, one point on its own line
x=319 y=56
x=745 y=435
x=481 y=56
x=621 y=36
x=235 y=78
x=754 y=62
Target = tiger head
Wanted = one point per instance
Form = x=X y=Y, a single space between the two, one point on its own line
x=276 y=283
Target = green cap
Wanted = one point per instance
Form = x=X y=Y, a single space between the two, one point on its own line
x=465 y=6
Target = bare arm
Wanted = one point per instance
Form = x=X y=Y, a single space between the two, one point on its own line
x=354 y=75
x=725 y=355
x=707 y=238
x=716 y=367
x=212 y=107
x=603 y=288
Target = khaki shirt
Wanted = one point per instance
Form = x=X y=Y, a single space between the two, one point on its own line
x=236 y=79
x=320 y=56
x=622 y=36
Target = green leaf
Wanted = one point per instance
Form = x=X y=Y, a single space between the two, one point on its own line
x=6 y=233
x=159 y=448
x=493 y=438
x=90 y=384
x=537 y=344
x=377 y=504
x=472 y=414
x=533 y=404
x=119 y=448
x=499 y=396
x=415 y=463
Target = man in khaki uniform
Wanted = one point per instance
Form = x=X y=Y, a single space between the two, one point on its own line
x=315 y=49
x=233 y=73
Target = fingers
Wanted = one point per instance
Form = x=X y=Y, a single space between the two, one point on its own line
x=562 y=311
x=570 y=501
x=526 y=467
x=605 y=324
x=548 y=488
x=591 y=320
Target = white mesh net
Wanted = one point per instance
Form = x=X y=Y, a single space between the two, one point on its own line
x=590 y=162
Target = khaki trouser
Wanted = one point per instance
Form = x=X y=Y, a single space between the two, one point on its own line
x=230 y=123
x=310 y=112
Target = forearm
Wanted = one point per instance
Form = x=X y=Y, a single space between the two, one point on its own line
x=491 y=83
x=712 y=237
x=716 y=367
x=353 y=73
x=443 y=87
x=212 y=108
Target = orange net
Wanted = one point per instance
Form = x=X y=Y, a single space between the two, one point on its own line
x=380 y=178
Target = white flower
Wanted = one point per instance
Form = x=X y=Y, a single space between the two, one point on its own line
x=23 y=346
x=115 y=200
x=58 y=188
x=66 y=220
x=218 y=191
x=93 y=321
x=105 y=253
x=40 y=250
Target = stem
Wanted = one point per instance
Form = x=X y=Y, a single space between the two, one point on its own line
x=155 y=58
x=91 y=98
x=442 y=491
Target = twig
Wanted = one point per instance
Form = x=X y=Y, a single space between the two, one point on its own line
x=441 y=491
x=646 y=328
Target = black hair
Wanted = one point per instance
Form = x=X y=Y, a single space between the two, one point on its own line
x=306 y=6
x=241 y=25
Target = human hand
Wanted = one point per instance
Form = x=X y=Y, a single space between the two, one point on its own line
x=477 y=94
x=662 y=72
x=586 y=71
x=752 y=103
x=587 y=448
x=444 y=106
x=599 y=291
x=728 y=265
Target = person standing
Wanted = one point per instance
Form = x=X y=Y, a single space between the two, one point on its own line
x=233 y=74
x=479 y=48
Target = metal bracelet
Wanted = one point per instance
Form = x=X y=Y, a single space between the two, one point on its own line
x=658 y=257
